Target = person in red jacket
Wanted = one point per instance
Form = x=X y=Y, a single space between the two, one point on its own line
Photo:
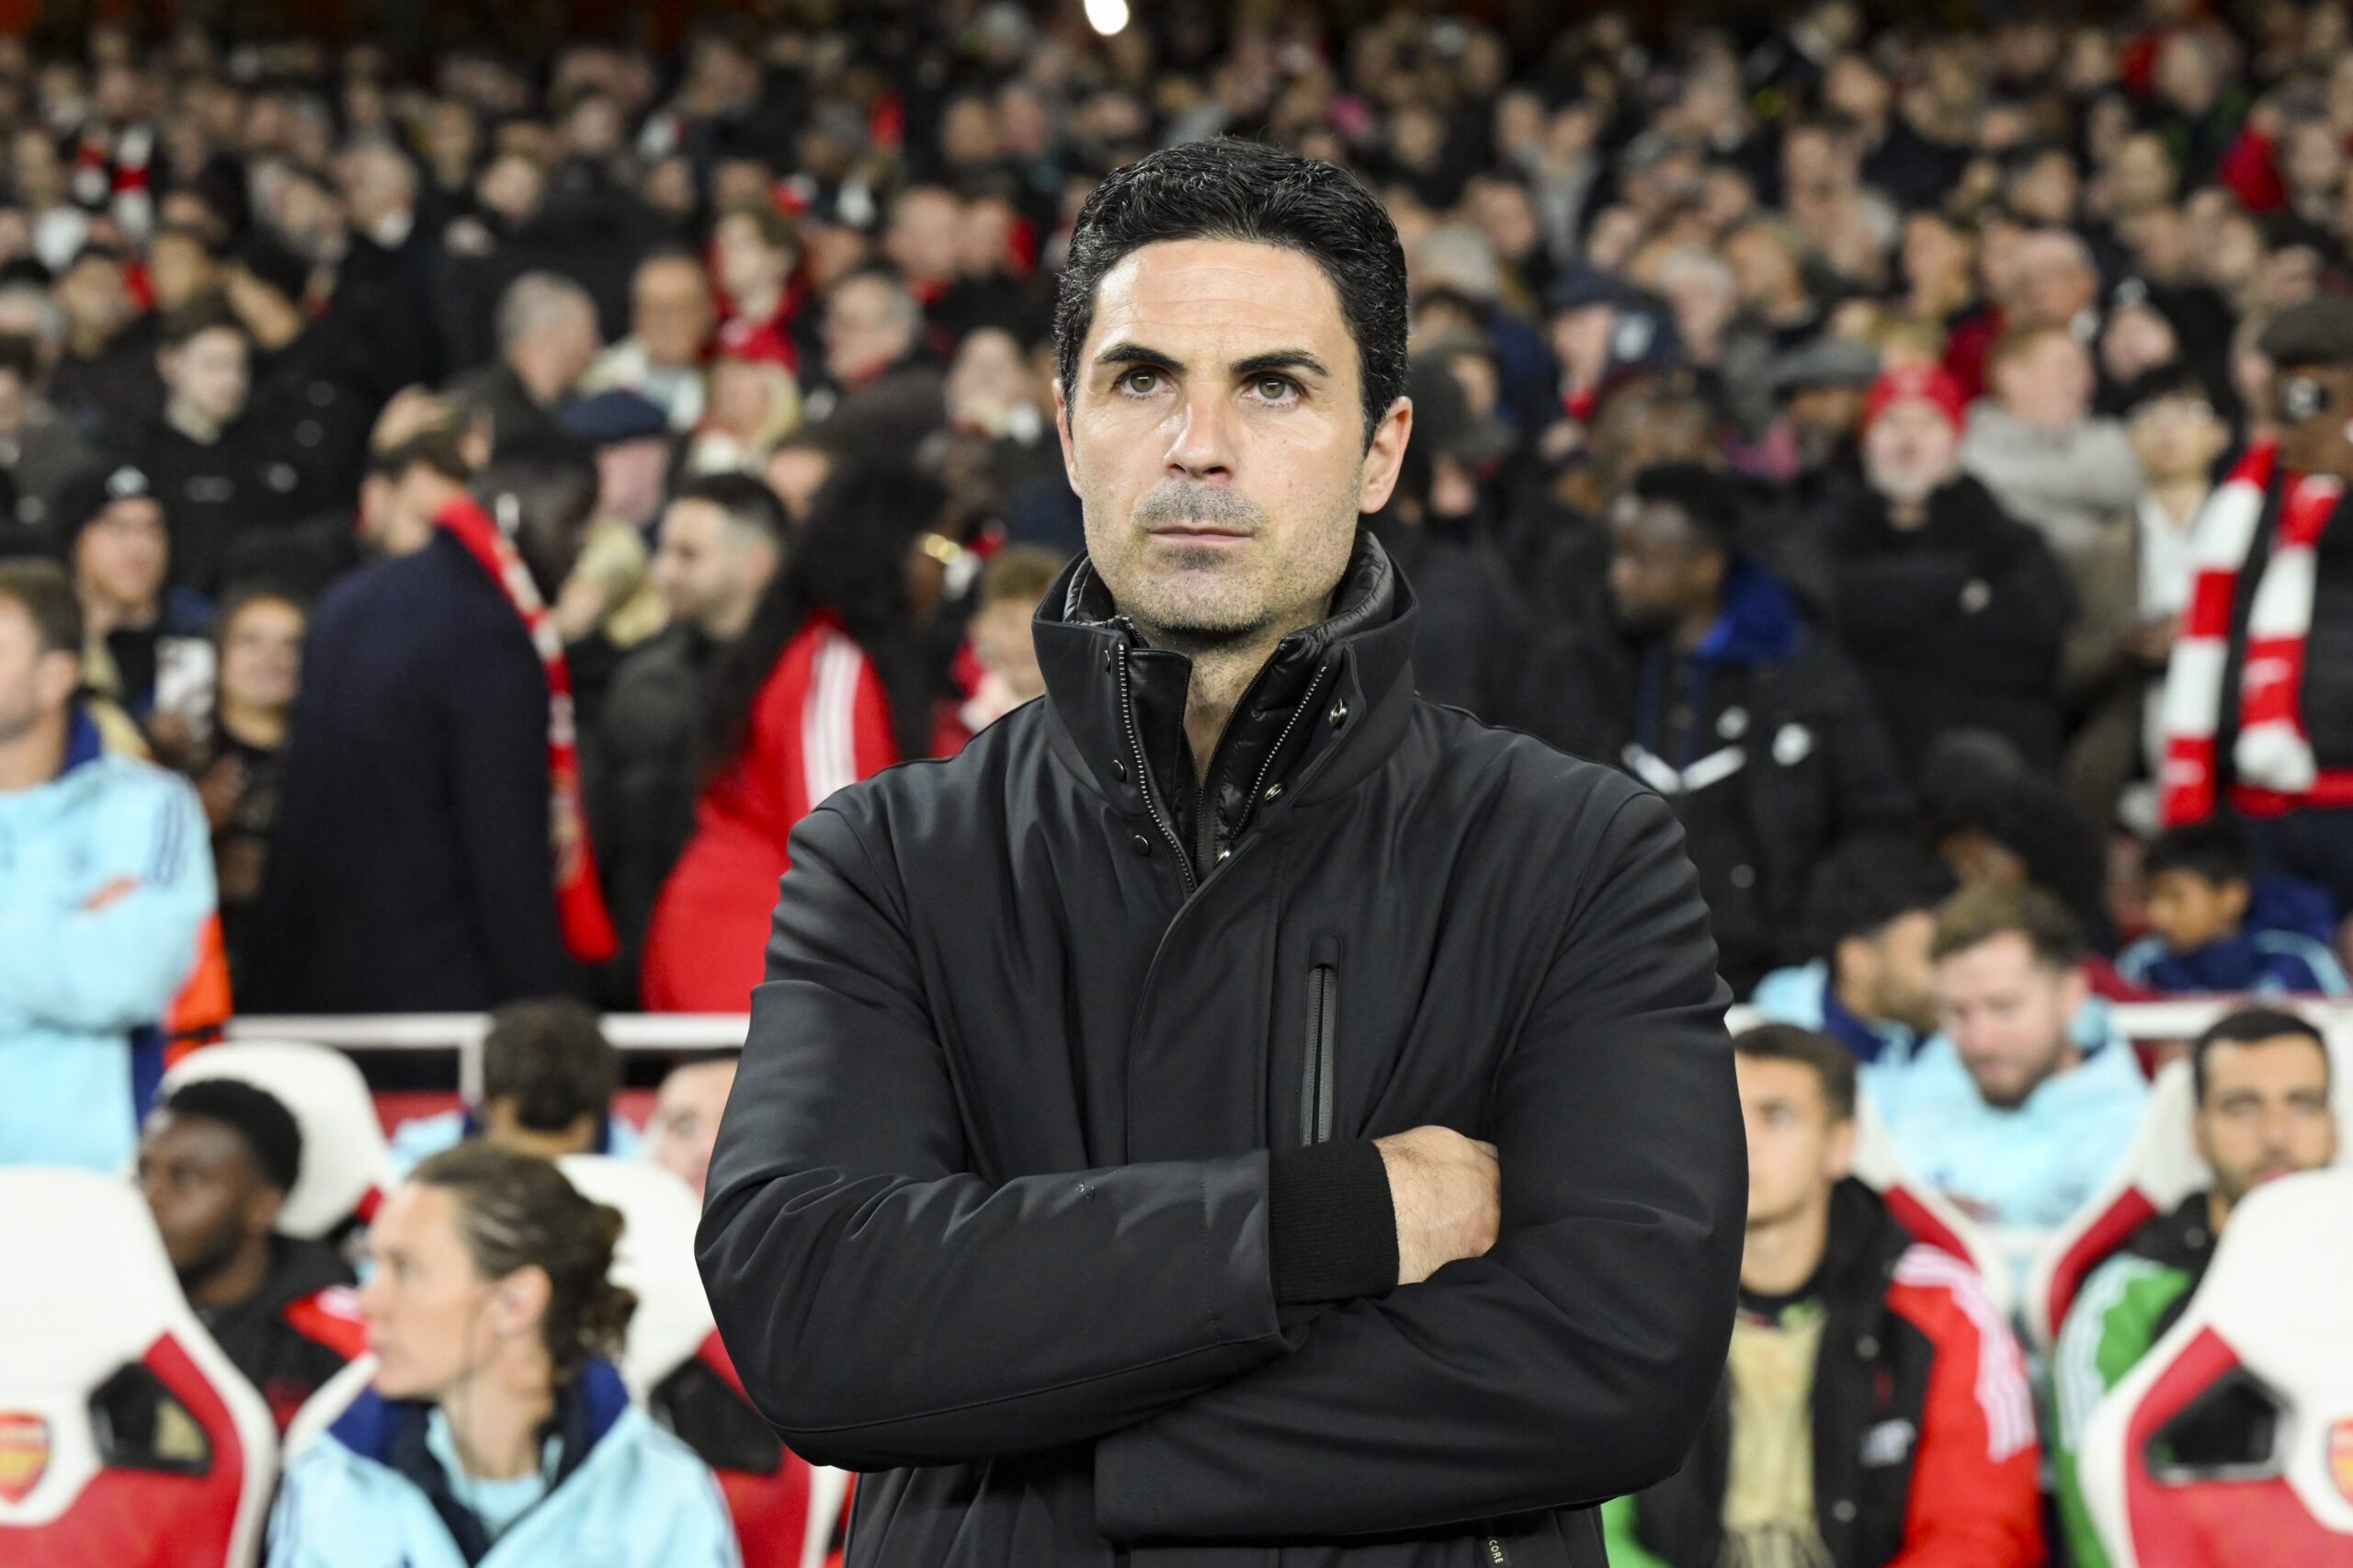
x=1875 y=1410
x=828 y=686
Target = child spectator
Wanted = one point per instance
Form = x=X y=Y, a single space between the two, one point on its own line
x=2207 y=934
x=1013 y=582
x=547 y=1077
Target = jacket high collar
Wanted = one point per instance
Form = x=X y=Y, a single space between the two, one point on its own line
x=1340 y=688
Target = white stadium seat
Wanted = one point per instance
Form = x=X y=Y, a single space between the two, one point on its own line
x=345 y=1167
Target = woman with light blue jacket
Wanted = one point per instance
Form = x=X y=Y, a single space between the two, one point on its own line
x=494 y=1433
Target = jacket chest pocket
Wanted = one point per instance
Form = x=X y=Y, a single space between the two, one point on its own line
x=1319 y=1065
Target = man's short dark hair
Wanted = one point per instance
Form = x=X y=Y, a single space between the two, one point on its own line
x=260 y=1118
x=747 y=503
x=2213 y=851
x=2247 y=1025
x=45 y=593
x=1709 y=502
x=1228 y=189
x=550 y=1061
x=1978 y=913
x=193 y=318
x=2316 y=332
x=1865 y=884
x=1832 y=1063
x=435 y=447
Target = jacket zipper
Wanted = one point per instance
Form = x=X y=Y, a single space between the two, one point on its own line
x=1306 y=704
x=1322 y=1035
x=1143 y=775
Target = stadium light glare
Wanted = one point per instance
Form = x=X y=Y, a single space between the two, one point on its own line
x=1107 y=17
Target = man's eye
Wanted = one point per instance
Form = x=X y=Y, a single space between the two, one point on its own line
x=1140 y=383
x=1275 y=389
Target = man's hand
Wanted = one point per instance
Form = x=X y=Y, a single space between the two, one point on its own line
x=1448 y=1191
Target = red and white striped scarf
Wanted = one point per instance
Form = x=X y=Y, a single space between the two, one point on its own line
x=588 y=926
x=2272 y=765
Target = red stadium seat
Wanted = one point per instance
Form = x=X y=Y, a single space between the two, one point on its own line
x=345 y=1167
x=1931 y=1217
x=127 y=1440
x=2264 y=1347
x=674 y=1362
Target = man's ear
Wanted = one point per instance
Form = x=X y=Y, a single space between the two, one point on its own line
x=1386 y=456
x=2235 y=894
x=1061 y=433
x=1839 y=1159
x=263 y=1209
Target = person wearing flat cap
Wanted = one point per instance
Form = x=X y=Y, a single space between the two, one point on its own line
x=2258 y=703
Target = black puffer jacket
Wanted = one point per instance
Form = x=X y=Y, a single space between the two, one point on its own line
x=993 y=1215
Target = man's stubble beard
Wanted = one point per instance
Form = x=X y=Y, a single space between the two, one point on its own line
x=1210 y=600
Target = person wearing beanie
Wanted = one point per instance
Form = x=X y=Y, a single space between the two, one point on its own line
x=115 y=539
x=216 y=1162
x=1953 y=610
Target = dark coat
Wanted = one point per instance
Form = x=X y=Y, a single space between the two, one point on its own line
x=411 y=870
x=1956 y=624
x=990 y=1216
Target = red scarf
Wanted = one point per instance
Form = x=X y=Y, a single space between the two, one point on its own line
x=588 y=932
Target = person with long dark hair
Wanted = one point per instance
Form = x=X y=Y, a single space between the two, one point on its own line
x=828 y=686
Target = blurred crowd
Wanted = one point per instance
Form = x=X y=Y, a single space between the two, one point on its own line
x=510 y=492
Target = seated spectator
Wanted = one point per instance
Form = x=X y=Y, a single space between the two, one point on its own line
x=548 y=1079
x=216 y=1161
x=497 y=1429
x=431 y=780
x=547 y=337
x=1875 y=1409
x=686 y=1113
x=2002 y=1111
x=119 y=545
x=1012 y=584
x=1869 y=918
x=2199 y=883
x=671 y=317
x=828 y=686
x=2036 y=446
x=1715 y=693
x=2262 y=1080
x=107 y=890
x=722 y=541
x=1952 y=609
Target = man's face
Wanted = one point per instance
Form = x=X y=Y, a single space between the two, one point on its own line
x=207 y=1194
x=670 y=311
x=2190 y=910
x=2176 y=437
x=865 y=330
x=1660 y=568
x=1216 y=438
x=2008 y=1013
x=1796 y=1152
x=704 y=568
x=208 y=372
x=796 y=475
x=686 y=1118
x=629 y=477
x=2265 y=1113
x=924 y=237
x=1893 y=969
x=2048 y=383
x=1821 y=418
x=748 y=265
x=1910 y=450
x=122 y=556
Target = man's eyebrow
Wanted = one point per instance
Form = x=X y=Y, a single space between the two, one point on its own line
x=1127 y=353
x=1281 y=360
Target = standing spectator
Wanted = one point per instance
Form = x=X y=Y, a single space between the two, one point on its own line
x=670 y=324
x=2262 y=1081
x=547 y=338
x=406 y=487
x=238 y=764
x=2037 y=447
x=1800 y=1460
x=431 y=851
x=722 y=541
x=216 y=1162
x=106 y=893
x=107 y=374
x=685 y=1115
x=2004 y=1111
x=1953 y=610
x=1871 y=917
x=827 y=686
x=119 y=543
x=1718 y=696
x=886 y=394
x=548 y=1079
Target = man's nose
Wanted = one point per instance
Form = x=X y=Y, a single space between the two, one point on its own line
x=1202 y=442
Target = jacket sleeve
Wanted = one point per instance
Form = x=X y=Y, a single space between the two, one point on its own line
x=884 y=1305
x=2112 y=1326
x=497 y=715
x=115 y=963
x=1576 y=1360
x=1975 y=1502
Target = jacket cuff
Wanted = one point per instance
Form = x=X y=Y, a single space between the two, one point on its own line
x=1331 y=1228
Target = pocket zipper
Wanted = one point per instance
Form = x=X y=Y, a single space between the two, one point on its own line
x=1322 y=1034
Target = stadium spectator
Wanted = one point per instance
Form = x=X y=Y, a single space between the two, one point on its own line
x=2004 y=1111
x=722 y=540
x=882 y=390
x=120 y=546
x=755 y=250
x=672 y=317
x=547 y=339
x=1953 y=610
x=2037 y=447
x=40 y=448
x=216 y=1160
x=2272 y=736
x=824 y=686
x=1012 y=585
x=1870 y=916
x=548 y=1079
x=1875 y=1408
x=496 y=1429
x=1820 y=390
x=107 y=889
x=2262 y=1081
x=432 y=853
x=685 y=1115
x=407 y=485
x=105 y=376
x=1716 y=694
x=2206 y=933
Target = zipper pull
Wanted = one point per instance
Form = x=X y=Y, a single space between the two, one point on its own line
x=1493 y=1552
